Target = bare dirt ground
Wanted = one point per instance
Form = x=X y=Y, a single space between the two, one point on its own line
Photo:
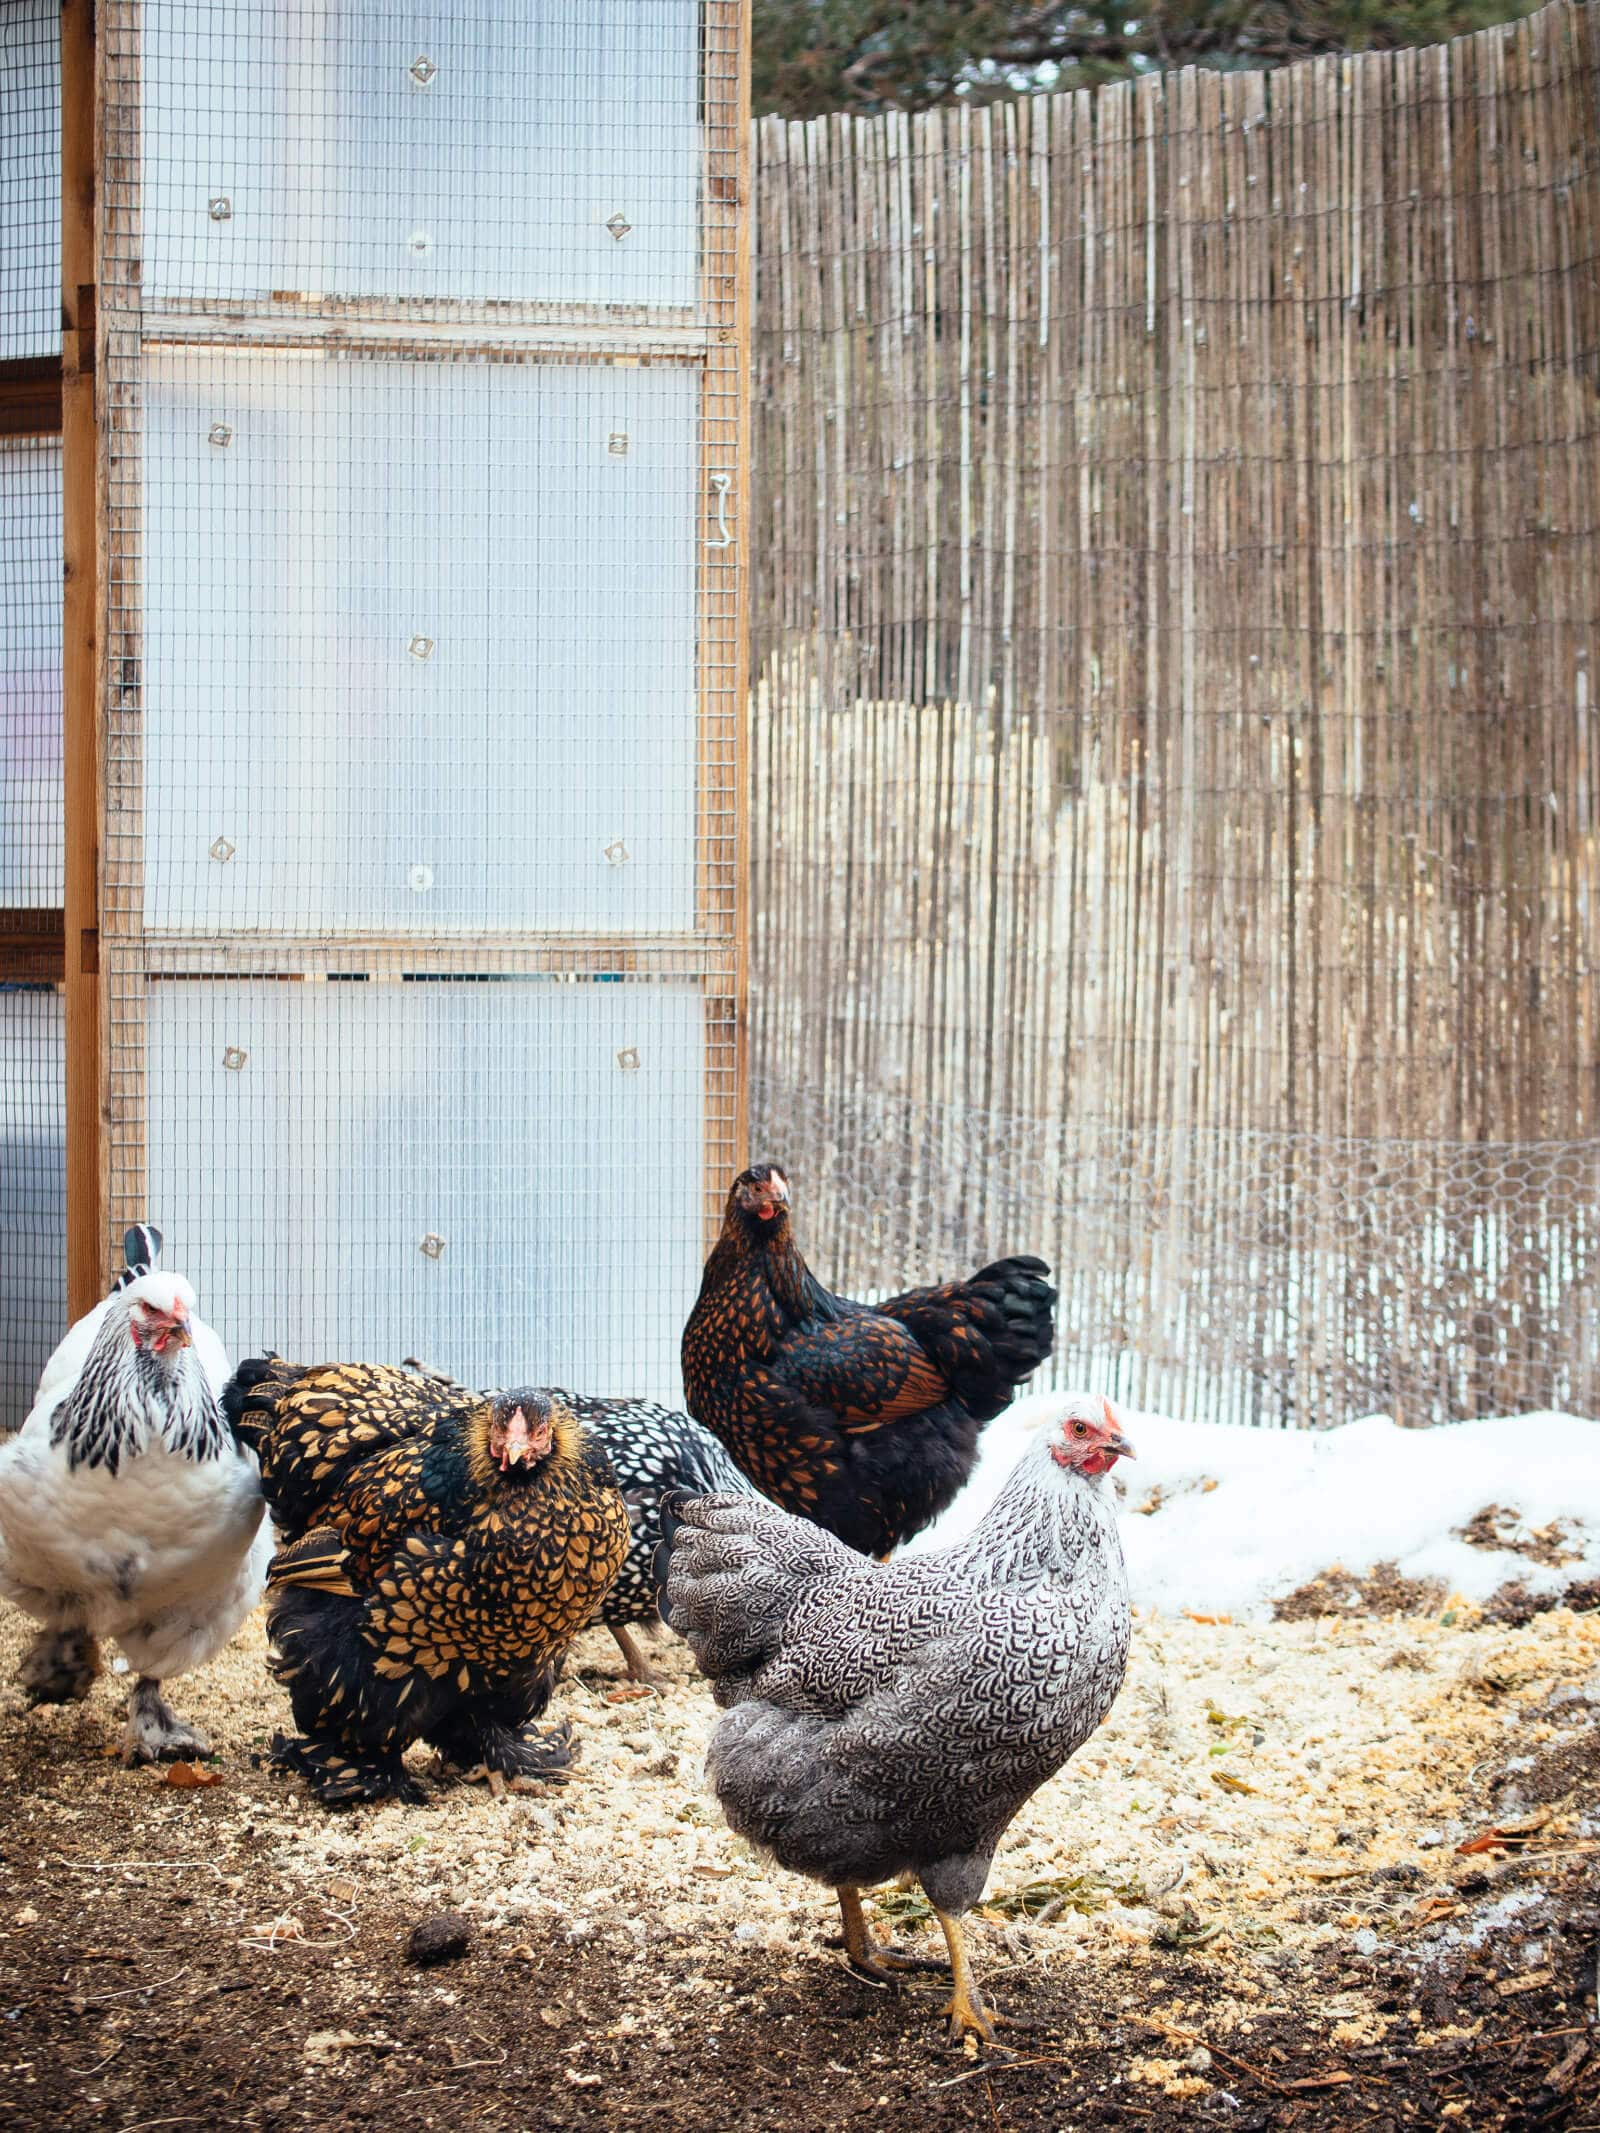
x=1244 y=1905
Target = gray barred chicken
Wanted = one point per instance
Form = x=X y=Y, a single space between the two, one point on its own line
x=893 y=1718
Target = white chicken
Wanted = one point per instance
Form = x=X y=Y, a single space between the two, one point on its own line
x=127 y=1507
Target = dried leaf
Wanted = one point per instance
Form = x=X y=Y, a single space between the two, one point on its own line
x=1436 y=1907
x=1319 y=2081
x=1230 y=1783
x=1491 y=1840
x=189 y=1775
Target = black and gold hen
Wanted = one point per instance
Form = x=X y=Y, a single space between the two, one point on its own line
x=441 y=1549
x=863 y=1418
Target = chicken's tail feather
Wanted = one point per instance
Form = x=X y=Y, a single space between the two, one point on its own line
x=987 y=1334
x=248 y=1409
x=141 y=1249
x=316 y=1562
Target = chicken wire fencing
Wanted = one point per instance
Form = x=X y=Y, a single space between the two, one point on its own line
x=32 y=1014
x=422 y=378
x=1174 y=747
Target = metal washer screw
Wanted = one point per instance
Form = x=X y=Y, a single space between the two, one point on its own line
x=628 y=1059
x=422 y=70
x=222 y=850
x=617 y=444
x=619 y=226
x=421 y=647
x=233 y=1058
x=219 y=434
x=421 y=879
x=220 y=208
x=432 y=1246
x=617 y=853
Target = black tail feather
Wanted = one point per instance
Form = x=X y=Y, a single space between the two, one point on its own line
x=245 y=1420
x=141 y=1248
x=669 y=1511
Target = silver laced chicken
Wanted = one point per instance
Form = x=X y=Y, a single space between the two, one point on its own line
x=127 y=1507
x=891 y=1719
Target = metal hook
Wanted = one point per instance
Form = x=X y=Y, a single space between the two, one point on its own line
x=721 y=485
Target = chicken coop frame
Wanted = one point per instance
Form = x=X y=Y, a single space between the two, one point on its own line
x=110 y=947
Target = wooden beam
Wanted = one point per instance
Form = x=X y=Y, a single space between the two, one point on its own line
x=30 y=397
x=86 y=1228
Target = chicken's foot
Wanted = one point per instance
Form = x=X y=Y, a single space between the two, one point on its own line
x=966 y=2012
x=639 y=1667
x=59 y=1666
x=154 y=1732
x=475 y=1740
x=341 y=1779
x=870 y=1958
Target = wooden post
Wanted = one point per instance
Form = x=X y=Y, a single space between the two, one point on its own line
x=86 y=1244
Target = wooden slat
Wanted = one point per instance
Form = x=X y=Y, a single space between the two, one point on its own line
x=87 y=1249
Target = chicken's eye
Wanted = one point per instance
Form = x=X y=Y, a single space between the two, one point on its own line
x=1080 y=1429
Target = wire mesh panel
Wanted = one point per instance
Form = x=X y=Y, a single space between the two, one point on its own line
x=423 y=367
x=30 y=674
x=419 y=644
x=533 y=152
x=32 y=1026
x=33 y=1236
x=473 y=1172
x=30 y=178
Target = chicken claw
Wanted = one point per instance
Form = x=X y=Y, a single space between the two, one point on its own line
x=869 y=1958
x=966 y=2012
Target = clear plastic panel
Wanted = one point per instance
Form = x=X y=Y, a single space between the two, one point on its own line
x=33 y=1184
x=31 y=852
x=501 y=1177
x=536 y=151
x=30 y=178
x=420 y=644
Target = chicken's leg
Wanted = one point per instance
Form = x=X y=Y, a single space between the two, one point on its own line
x=869 y=1957
x=967 y=2013
x=155 y=1733
x=639 y=1667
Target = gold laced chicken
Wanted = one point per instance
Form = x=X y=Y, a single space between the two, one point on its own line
x=441 y=1549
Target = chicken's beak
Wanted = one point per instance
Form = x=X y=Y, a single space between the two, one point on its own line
x=775 y=1195
x=173 y=1332
x=523 y=1445
x=1116 y=1444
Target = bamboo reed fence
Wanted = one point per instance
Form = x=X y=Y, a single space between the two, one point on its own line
x=1174 y=836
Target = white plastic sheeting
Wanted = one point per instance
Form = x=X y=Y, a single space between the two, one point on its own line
x=30 y=178
x=419 y=644
x=33 y=1245
x=536 y=151
x=461 y=1171
x=31 y=857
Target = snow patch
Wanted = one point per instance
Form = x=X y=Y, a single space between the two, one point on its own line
x=1241 y=1518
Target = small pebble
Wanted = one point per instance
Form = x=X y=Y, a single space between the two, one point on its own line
x=440 y=1939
